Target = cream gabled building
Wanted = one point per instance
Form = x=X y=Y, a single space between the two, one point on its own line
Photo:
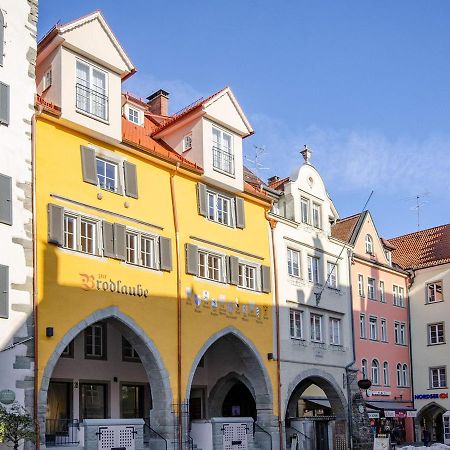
x=17 y=89
x=426 y=255
x=316 y=343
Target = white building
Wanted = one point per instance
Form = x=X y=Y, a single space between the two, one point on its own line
x=316 y=344
x=426 y=254
x=18 y=22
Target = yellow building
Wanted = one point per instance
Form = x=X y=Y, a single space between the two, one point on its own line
x=153 y=259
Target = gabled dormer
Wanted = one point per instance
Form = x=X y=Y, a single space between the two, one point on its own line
x=80 y=68
x=134 y=109
x=210 y=133
x=305 y=199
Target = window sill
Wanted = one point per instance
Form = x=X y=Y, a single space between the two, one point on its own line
x=120 y=191
x=399 y=306
x=297 y=339
x=224 y=172
x=232 y=226
x=246 y=289
x=209 y=280
x=92 y=116
x=336 y=345
x=435 y=388
x=374 y=340
x=98 y=358
x=401 y=345
x=81 y=253
x=437 y=344
x=372 y=299
x=433 y=303
x=140 y=266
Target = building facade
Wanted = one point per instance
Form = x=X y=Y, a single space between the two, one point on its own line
x=17 y=90
x=426 y=255
x=313 y=290
x=154 y=284
x=381 y=324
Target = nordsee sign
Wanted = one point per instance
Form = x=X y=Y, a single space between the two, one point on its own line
x=442 y=395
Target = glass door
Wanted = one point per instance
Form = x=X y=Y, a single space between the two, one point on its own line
x=93 y=403
x=132 y=401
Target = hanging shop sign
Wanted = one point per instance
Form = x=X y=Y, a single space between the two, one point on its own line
x=7 y=396
x=442 y=395
x=103 y=283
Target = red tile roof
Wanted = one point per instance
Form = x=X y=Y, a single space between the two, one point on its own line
x=278 y=184
x=343 y=228
x=251 y=178
x=186 y=111
x=422 y=249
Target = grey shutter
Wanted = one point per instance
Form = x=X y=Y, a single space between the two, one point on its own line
x=5 y=199
x=191 y=259
x=131 y=188
x=165 y=254
x=56 y=224
x=240 y=213
x=265 y=279
x=120 y=238
x=4 y=292
x=89 y=165
x=4 y=104
x=233 y=270
x=2 y=37
x=202 y=199
x=108 y=239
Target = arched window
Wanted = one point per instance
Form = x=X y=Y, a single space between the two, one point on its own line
x=2 y=37
x=386 y=373
x=399 y=374
x=405 y=375
x=369 y=244
x=375 y=372
x=364 y=368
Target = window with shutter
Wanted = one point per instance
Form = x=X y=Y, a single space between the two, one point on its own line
x=108 y=239
x=165 y=254
x=191 y=259
x=5 y=199
x=89 y=165
x=233 y=270
x=131 y=188
x=120 y=249
x=202 y=199
x=265 y=279
x=240 y=213
x=4 y=104
x=4 y=292
x=56 y=224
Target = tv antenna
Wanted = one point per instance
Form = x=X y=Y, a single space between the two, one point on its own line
x=259 y=152
x=419 y=203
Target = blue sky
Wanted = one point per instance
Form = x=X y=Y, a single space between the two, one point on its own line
x=366 y=84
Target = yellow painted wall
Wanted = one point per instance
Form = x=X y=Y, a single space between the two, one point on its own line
x=62 y=300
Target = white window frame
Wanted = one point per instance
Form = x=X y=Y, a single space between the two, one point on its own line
x=117 y=168
x=244 y=281
x=305 y=202
x=296 y=324
x=315 y=322
x=91 y=87
x=317 y=215
x=314 y=269
x=291 y=262
x=364 y=368
x=221 y=167
x=398 y=370
x=371 y=288
x=369 y=244
x=362 y=326
x=335 y=333
x=187 y=142
x=433 y=329
x=332 y=275
x=373 y=328
x=433 y=296
x=213 y=215
x=138 y=250
x=47 y=79
x=361 y=285
x=441 y=372
x=375 y=372
x=400 y=333
x=138 y=113
x=398 y=293
x=79 y=220
x=92 y=354
x=206 y=273
x=386 y=373
x=383 y=323
x=405 y=375
x=382 y=292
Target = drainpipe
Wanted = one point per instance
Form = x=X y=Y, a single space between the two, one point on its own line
x=34 y=293
x=177 y=246
x=412 y=276
x=349 y=394
x=273 y=224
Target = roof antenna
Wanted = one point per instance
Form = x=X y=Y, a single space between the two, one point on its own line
x=258 y=154
x=319 y=294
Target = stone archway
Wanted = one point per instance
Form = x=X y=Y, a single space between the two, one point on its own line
x=250 y=371
x=162 y=417
x=430 y=417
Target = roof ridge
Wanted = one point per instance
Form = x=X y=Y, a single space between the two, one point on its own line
x=348 y=217
x=419 y=232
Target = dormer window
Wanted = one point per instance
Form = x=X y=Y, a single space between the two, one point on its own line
x=388 y=256
x=369 y=244
x=91 y=91
x=223 y=158
x=133 y=115
x=187 y=142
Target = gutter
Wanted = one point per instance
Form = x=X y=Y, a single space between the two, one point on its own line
x=411 y=361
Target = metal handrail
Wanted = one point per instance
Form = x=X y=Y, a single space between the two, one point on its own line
x=223 y=160
x=85 y=94
x=191 y=442
x=264 y=431
x=60 y=432
x=147 y=424
x=301 y=432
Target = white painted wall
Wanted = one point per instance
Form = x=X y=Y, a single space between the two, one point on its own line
x=15 y=161
x=424 y=355
x=79 y=369
x=298 y=355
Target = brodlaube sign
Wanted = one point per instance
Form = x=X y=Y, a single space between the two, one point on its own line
x=102 y=283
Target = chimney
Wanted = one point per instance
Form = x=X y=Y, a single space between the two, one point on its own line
x=273 y=179
x=306 y=153
x=158 y=102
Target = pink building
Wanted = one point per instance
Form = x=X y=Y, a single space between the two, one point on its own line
x=381 y=327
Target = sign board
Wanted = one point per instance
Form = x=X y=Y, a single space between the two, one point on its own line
x=7 y=396
x=441 y=395
x=411 y=413
x=374 y=415
x=381 y=443
x=373 y=393
x=389 y=413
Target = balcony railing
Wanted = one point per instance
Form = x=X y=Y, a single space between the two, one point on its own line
x=223 y=160
x=62 y=432
x=92 y=101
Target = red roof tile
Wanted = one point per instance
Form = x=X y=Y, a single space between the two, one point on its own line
x=278 y=184
x=422 y=249
x=343 y=228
